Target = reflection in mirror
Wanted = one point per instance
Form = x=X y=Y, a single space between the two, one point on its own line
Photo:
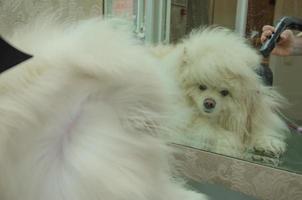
x=233 y=112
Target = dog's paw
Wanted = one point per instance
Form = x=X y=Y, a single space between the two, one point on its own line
x=265 y=159
x=269 y=147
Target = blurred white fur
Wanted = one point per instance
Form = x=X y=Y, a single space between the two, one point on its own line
x=214 y=60
x=84 y=119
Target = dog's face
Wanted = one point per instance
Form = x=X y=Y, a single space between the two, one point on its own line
x=216 y=93
x=219 y=89
x=227 y=98
x=211 y=100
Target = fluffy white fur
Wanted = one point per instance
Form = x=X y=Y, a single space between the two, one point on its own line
x=83 y=119
x=206 y=65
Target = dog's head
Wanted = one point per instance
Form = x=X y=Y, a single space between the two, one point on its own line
x=218 y=78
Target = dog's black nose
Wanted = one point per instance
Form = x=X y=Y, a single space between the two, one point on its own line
x=209 y=103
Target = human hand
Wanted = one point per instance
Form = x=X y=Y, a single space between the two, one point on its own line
x=285 y=45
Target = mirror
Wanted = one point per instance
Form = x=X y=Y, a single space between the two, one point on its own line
x=187 y=15
x=278 y=143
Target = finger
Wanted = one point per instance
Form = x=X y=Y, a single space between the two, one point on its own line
x=263 y=38
x=286 y=37
x=267 y=33
x=286 y=34
x=282 y=38
x=268 y=28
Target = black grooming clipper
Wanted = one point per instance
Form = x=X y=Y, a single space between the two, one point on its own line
x=283 y=24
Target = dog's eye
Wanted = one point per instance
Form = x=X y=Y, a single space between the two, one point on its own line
x=224 y=92
x=202 y=87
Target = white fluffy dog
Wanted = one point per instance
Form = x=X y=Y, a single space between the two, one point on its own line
x=233 y=112
x=83 y=119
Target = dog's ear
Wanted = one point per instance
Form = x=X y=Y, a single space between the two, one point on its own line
x=256 y=115
x=241 y=113
x=263 y=115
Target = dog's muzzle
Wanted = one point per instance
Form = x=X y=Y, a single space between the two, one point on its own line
x=209 y=105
